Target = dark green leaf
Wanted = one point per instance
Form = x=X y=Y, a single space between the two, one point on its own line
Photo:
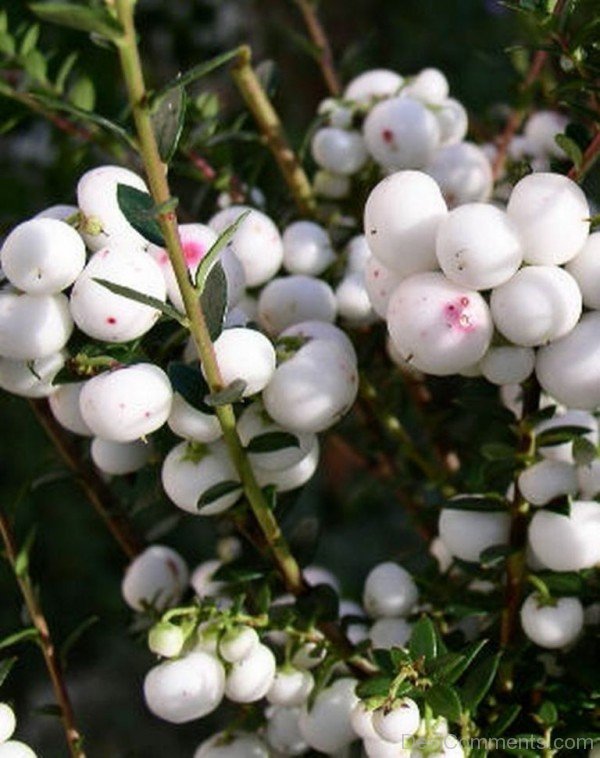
x=272 y=441
x=239 y=572
x=505 y=718
x=168 y=117
x=444 y=666
x=50 y=709
x=7 y=44
x=23 y=635
x=376 y=686
x=444 y=701
x=571 y=148
x=584 y=451
x=230 y=394
x=563 y=584
x=319 y=603
x=74 y=638
x=206 y=264
x=213 y=300
x=139 y=297
x=558 y=435
x=139 y=209
x=202 y=69
x=477 y=503
x=547 y=713
x=479 y=681
x=560 y=505
x=497 y=451
x=217 y=491
x=6 y=667
x=423 y=640
x=190 y=384
x=76 y=16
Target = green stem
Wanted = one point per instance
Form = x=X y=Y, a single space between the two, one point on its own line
x=44 y=639
x=321 y=42
x=272 y=130
x=156 y=172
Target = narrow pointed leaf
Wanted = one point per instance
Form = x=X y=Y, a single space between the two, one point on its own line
x=80 y=17
x=168 y=117
x=190 y=384
x=444 y=701
x=272 y=441
x=197 y=72
x=230 y=394
x=206 y=264
x=218 y=491
x=213 y=300
x=23 y=635
x=139 y=297
x=479 y=681
x=423 y=639
x=5 y=668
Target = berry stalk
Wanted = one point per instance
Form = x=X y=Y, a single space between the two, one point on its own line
x=272 y=129
x=36 y=614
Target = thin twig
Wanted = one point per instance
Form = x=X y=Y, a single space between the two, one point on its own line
x=97 y=492
x=519 y=520
x=272 y=130
x=590 y=156
x=321 y=42
x=73 y=737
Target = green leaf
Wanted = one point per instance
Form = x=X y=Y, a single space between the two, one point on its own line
x=7 y=44
x=50 y=709
x=563 y=584
x=479 y=681
x=190 y=384
x=444 y=666
x=271 y=441
x=213 y=300
x=139 y=297
x=548 y=713
x=75 y=16
x=490 y=502
x=558 y=435
x=74 y=638
x=497 y=451
x=82 y=94
x=139 y=209
x=230 y=394
x=6 y=667
x=202 y=69
x=64 y=71
x=560 y=505
x=505 y=718
x=85 y=116
x=423 y=640
x=168 y=117
x=376 y=686
x=571 y=149
x=36 y=66
x=494 y=555
x=23 y=635
x=29 y=40
x=206 y=264
x=22 y=560
x=319 y=603
x=444 y=701
x=217 y=491
x=584 y=451
x=239 y=572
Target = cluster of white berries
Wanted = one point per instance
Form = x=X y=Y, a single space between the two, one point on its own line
x=482 y=290
x=299 y=372
x=233 y=660
x=10 y=748
x=399 y=123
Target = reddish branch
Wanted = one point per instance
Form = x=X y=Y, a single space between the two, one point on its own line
x=44 y=639
x=97 y=492
x=321 y=42
x=589 y=158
